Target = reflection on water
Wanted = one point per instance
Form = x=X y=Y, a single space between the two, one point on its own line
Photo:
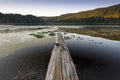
x=26 y=64
x=95 y=59
x=94 y=62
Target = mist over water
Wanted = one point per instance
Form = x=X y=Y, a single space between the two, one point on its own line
x=94 y=58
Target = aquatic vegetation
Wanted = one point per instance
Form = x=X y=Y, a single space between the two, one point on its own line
x=72 y=36
x=109 y=33
x=42 y=34
x=66 y=37
x=51 y=33
x=38 y=35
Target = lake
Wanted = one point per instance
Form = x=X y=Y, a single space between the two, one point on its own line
x=95 y=58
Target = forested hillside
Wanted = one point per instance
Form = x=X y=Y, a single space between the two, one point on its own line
x=108 y=15
x=17 y=19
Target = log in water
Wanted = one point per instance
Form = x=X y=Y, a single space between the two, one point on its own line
x=61 y=66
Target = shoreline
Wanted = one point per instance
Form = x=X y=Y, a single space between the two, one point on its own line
x=110 y=33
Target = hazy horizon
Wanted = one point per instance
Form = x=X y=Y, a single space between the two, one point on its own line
x=52 y=7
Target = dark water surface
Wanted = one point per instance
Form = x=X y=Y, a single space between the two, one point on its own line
x=93 y=62
x=26 y=64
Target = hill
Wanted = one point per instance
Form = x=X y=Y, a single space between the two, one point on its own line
x=106 y=15
x=108 y=12
x=17 y=19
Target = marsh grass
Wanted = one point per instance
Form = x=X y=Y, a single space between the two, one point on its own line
x=38 y=35
x=109 y=33
x=51 y=33
x=42 y=34
x=67 y=37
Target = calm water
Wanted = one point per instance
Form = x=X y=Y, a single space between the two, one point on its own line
x=95 y=59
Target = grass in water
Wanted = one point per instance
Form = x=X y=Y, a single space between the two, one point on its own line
x=66 y=37
x=38 y=35
x=109 y=33
x=51 y=33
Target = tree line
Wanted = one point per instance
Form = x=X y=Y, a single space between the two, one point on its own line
x=17 y=19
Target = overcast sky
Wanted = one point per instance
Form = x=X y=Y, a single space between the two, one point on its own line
x=52 y=7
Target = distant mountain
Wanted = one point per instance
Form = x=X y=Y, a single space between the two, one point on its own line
x=108 y=12
x=107 y=15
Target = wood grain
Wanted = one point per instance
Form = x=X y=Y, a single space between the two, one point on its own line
x=61 y=66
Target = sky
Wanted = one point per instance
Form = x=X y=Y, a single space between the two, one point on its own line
x=52 y=7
